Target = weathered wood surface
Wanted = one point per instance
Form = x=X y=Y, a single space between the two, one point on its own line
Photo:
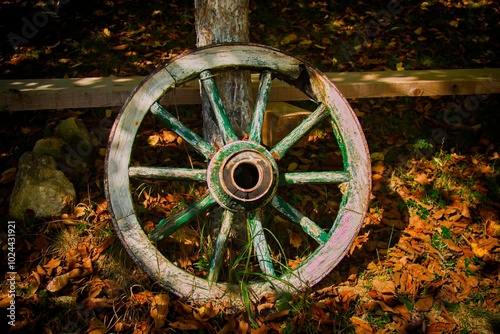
x=40 y=94
x=225 y=22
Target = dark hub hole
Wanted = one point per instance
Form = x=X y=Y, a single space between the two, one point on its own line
x=246 y=176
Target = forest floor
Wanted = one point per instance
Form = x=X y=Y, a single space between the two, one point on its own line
x=427 y=258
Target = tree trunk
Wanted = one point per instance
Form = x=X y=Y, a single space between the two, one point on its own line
x=222 y=21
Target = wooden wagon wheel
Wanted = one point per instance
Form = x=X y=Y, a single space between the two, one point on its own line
x=242 y=177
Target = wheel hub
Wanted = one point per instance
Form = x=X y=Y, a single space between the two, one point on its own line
x=242 y=176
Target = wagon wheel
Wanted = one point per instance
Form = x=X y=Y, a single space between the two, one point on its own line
x=242 y=177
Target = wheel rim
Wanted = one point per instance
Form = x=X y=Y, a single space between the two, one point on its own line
x=224 y=165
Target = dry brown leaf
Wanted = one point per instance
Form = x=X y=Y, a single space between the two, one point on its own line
x=5 y=300
x=168 y=136
x=58 y=282
x=295 y=239
x=120 y=47
x=440 y=327
x=187 y=324
x=422 y=179
x=402 y=311
x=92 y=303
x=420 y=272
x=493 y=228
x=276 y=315
x=242 y=325
x=424 y=304
x=294 y=263
x=263 y=329
x=8 y=176
x=359 y=241
x=51 y=265
x=361 y=326
x=142 y=297
x=96 y=326
x=206 y=312
x=479 y=251
x=106 y=243
x=292 y=166
x=153 y=139
x=378 y=167
x=159 y=309
x=384 y=287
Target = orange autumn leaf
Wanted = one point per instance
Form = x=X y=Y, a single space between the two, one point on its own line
x=206 y=312
x=479 y=251
x=361 y=326
x=440 y=327
x=187 y=324
x=295 y=239
x=159 y=309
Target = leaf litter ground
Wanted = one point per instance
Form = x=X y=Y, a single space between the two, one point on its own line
x=427 y=257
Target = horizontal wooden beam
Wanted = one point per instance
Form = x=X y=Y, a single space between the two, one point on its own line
x=39 y=94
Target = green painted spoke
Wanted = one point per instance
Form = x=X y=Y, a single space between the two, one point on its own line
x=260 y=107
x=260 y=243
x=186 y=133
x=223 y=122
x=166 y=173
x=310 y=227
x=171 y=224
x=220 y=246
x=307 y=124
x=314 y=177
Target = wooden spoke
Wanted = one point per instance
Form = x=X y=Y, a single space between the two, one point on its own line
x=220 y=246
x=310 y=227
x=260 y=243
x=307 y=124
x=223 y=122
x=171 y=224
x=186 y=133
x=260 y=107
x=314 y=177
x=167 y=173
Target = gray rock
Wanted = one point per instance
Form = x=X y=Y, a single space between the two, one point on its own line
x=79 y=151
x=40 y=188
x=53 y=146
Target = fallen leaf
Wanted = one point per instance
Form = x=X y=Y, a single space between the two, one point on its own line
x=295 y=239
x=292 y=166
x=424 y=304
x=289 y=38
x=206 y=312
x=120 y=47
x=58 y=282
x=186 y=324
x=358 y=242
x=440 y=327
x=96 y=326
x=377 y=156
x=51 y=265
x=159 y=309
x=384 y=287
x=479 y=251
x=106 y=32
x=422 y=179
x=8 y=176
x=361 y=326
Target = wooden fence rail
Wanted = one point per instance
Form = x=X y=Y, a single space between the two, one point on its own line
x=40 y=94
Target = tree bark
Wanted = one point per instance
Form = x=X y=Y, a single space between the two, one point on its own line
x=222 y=21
